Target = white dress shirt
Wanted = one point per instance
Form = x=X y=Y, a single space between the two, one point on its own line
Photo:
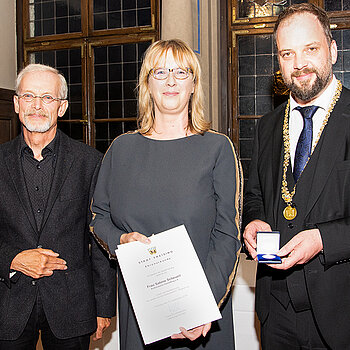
x=296 y=122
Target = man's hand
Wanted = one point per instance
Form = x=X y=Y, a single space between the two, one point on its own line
x=102 y=324
x=133 y=237
x=300 y=249
x=193 y=333
x=249 y=235
x=37 y=263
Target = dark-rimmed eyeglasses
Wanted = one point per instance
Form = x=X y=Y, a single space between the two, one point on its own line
x=163 y=73
x=47 y=99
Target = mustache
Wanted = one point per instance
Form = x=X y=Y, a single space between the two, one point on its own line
x=299 y=73
x=41 y=113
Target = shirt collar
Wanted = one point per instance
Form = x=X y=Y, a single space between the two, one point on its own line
x=323 y=100
x=49 y=149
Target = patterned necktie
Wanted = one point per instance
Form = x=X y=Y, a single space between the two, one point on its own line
x=303 y=150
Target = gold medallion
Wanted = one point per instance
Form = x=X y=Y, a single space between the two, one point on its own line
x=290 y=212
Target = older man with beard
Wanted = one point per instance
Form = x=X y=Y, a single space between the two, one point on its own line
x=53 y=276
x=299 y=185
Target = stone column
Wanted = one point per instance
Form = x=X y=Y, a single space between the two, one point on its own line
x=177 y=20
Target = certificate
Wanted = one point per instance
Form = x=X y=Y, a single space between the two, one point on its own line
x=166 y=284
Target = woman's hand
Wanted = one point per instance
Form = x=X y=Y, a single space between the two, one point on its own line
x=133 y=237
x=193 y=333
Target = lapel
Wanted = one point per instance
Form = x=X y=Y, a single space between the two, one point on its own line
x=14 y=167
x=277 y=158
x=64 y=163
x=331 y=142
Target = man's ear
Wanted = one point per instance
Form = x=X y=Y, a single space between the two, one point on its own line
x=63 y=107
x=334 y=51
x=16 y=103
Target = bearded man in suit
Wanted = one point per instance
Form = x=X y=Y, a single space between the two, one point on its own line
x=53 y=276
x=299 y=184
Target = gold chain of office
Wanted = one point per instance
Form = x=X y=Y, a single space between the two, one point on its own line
x=290 y=211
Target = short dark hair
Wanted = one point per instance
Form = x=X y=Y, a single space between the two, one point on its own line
x=308 y=8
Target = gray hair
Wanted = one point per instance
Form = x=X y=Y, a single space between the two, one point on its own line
x=63 y=91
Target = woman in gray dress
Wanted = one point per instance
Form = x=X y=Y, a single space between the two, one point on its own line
x=173 y=170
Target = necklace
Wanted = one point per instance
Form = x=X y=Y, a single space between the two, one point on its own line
x=290 y=211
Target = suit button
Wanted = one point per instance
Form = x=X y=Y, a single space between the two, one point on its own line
x=33 y=283
x=290 y=225
x=39 y=246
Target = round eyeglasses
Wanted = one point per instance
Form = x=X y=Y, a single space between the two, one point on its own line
x=163 y=73
x=47 y=99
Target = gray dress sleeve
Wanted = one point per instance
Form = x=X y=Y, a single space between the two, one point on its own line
x=224 y=248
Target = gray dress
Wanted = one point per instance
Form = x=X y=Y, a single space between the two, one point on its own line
x=149 y=186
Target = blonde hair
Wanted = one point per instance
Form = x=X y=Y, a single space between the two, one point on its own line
x=185 y=58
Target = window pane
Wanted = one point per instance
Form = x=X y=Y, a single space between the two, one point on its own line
x=107 y=132
x=117 y=14
x=54 y=17
x=337 y=5
x=68 y=62
x=74 y=130
x=257 y=64
x=341 y=68
x=116 y=70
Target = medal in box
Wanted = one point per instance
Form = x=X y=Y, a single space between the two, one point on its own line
x=268 y=244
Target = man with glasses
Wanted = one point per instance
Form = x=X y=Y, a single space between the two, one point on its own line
x=53 y=276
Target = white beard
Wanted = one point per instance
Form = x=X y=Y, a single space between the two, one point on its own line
x=37 y=126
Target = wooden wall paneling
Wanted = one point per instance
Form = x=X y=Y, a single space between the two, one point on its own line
x=9 y=126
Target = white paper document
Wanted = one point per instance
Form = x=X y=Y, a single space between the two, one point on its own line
x=166 y=284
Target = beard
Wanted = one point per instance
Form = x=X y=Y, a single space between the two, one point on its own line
x=42 y=125
x=307 y=91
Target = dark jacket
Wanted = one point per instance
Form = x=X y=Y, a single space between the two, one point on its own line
x=72 y=298
x=326 y=205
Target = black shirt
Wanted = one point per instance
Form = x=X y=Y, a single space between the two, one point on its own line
x=38 y=175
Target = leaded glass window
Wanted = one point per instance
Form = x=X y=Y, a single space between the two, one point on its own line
x=116 y=69
x=98 y=47
x=337 y=5
x=115 y=14
x=50 y=17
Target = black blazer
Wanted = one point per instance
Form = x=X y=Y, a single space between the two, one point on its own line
x=328 y=208
x=72 y=298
